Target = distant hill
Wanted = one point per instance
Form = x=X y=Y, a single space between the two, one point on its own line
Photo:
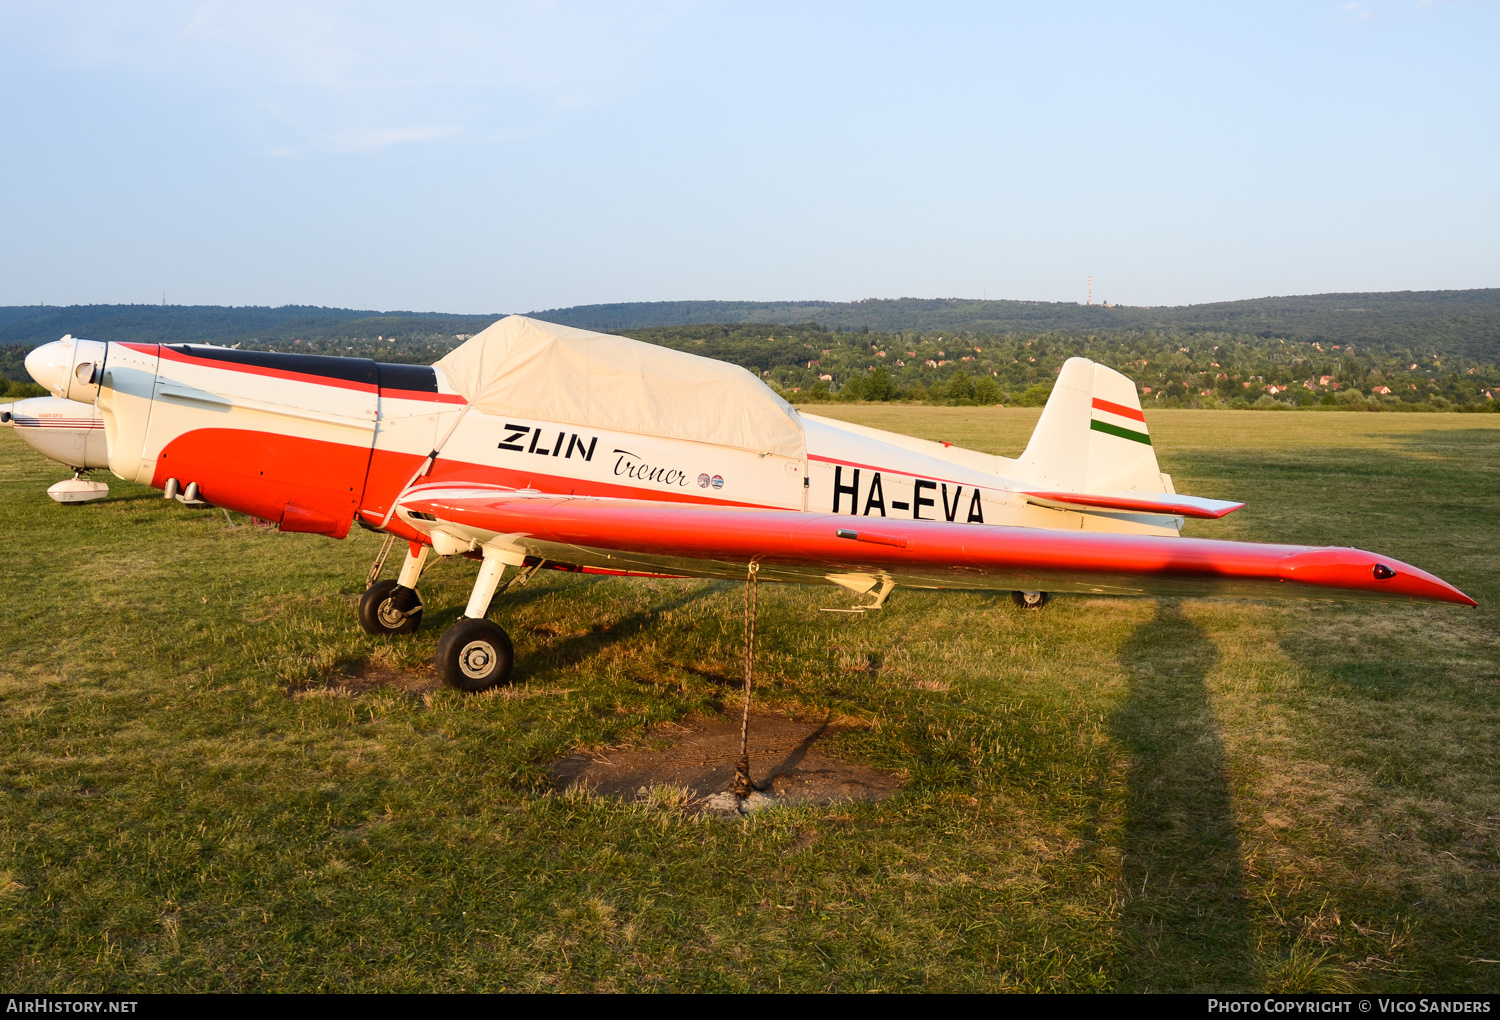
x=1451 y=322
x=1459 y=322
x=1415 y=347
x=34 y=324
x=410 y=336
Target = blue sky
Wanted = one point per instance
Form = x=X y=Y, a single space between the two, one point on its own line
x=477 y=158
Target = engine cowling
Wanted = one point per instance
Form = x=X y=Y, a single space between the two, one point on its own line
x=69 y=367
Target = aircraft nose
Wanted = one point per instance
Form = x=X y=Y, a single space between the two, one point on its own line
x=50 y=363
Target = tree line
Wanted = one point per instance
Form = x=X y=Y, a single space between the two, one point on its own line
x=810 y=361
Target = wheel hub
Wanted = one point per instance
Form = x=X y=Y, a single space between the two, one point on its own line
x=390 y=617
x=476 y=659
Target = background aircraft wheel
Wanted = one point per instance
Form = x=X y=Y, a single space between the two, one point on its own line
x=475 y=655
x=1030 y=599
x=382 y=609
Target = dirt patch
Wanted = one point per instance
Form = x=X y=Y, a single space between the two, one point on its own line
x=785 y=762
x=373 y=676
x=356 y=678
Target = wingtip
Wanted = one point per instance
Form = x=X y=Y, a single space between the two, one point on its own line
x=1381 y=576
x=1224 y=511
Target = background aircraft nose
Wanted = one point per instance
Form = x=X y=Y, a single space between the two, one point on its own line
x=50 y=363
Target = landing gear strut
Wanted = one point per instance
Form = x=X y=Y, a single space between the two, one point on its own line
x=394 y=607
x=475 y=654
x=388 y=608
x=1030 y=599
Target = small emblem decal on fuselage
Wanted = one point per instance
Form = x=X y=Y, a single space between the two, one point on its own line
x=703 y=481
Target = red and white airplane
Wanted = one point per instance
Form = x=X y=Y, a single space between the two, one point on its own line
x=535 y=445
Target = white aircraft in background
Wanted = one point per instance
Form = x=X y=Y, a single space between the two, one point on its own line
x=67 y=431
x=534 y=445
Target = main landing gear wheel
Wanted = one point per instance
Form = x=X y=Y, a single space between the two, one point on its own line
x=1030 y=599
x=388 y=608
x=475 y=655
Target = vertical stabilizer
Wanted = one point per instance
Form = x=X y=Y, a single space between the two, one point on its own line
x=1092 y=436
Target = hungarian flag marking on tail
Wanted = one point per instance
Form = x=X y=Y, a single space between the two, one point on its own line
x=1118 y=420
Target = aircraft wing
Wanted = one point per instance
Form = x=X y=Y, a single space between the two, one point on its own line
x=699 y=540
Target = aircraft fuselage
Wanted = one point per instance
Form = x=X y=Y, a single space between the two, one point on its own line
x=315 y=443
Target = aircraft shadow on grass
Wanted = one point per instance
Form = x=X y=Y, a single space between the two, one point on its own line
x=574 y=649
x=1184 y=912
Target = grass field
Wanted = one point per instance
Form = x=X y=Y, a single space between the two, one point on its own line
x=210 y=778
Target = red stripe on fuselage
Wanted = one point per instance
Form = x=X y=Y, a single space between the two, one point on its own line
x=1120 y=409
x=276 y=373
x=270 y=373
x=442 y=398
x=81 y=423
x=390 y=471
x=887 y=470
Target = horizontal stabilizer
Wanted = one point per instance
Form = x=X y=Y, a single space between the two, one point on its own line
x=1136 y=502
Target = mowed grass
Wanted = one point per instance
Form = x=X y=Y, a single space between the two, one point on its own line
x=210 y=778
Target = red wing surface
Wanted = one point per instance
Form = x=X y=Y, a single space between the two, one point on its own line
x=925 y=553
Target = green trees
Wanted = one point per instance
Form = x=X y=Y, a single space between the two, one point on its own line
x=12 y=390
x=856 y=388
x=1012 y=362
x=960 y=389
x=1035 y=396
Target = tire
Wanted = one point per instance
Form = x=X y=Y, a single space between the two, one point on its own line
x=385 y=609
x=475 y=655
x=1030 y=599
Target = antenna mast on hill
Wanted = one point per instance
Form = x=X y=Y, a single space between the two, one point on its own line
x=1091 y=290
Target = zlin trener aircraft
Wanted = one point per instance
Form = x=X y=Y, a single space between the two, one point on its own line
x=534 y=445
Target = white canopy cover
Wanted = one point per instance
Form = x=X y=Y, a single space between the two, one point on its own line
x=534 y=369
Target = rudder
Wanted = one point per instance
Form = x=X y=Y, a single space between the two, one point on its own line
x=1092 y=435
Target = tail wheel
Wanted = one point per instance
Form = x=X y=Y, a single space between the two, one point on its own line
x=1030 y=599
x=388 y=608
x=475 y=655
